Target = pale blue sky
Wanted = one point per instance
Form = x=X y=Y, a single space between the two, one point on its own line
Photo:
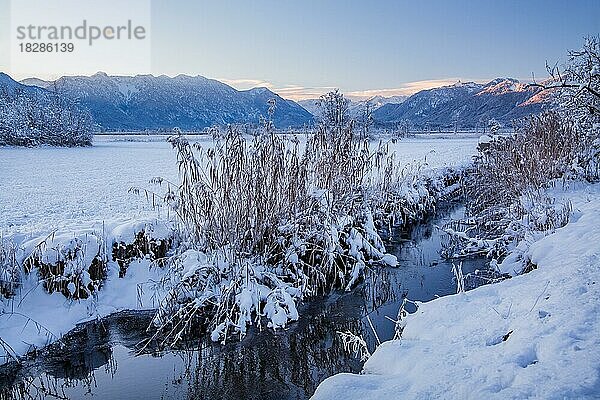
x=301 y=47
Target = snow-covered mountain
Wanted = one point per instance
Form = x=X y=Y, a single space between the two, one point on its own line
x=194 y=102
x=378 y=101
x=356 y=107
x=37 y=83
x=466 y=104
x=9 y=85
x=160 y=102
x=310 y=105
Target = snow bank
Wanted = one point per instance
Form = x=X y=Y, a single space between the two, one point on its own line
x=536 y=335
x=37 y=318
x=34 y=317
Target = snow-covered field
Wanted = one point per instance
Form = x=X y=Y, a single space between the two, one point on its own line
x=42 y=188
x=45 y=188
x=533 y=336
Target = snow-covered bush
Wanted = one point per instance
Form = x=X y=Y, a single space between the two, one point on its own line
x=355 y=345
x=265 y=223
x=546 y=148
x=268 y=225
x=335 y=111
x=576 y=87
x=73 y=266
x=401 y=194
x=579 y=99
x=30 y=119
x=76 y=263
x=506 y=186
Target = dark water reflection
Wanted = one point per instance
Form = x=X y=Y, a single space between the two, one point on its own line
x=98 y=361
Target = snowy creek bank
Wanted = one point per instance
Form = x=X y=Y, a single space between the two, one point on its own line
x=51 y=283
x=100 y=357
x=532 y=336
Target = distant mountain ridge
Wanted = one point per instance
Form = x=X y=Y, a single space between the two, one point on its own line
x=355 y=107
x=160 y=102
x=467 y=105
x=146 y=102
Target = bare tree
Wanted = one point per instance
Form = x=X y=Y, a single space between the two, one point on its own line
x=334 y=109
x=577 y=86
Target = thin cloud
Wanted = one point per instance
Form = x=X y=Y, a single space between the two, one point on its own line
x=292 y=92
x=243 y=84
x=409 y=88
x=297 y=92
x=301 y=92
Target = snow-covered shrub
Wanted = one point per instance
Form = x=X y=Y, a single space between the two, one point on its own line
x=142 y=246
x=356 y=345
x=401 y=194
x=506 y=186
x=576 y=87
x=335 y=110
x=76 y=263
x=545 y=148
x=273 y=224
x=265 y=222
x=579 y=101
x=30 y=119
x=73 y=266
x=400 y=321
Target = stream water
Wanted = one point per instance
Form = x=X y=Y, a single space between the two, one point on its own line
x=99 y=360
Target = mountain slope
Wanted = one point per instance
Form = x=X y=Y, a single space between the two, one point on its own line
x=149 y=102
x=9 y=85
x=466 y=104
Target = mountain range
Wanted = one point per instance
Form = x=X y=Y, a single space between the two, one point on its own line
x=146 y=102
x=466 y=105
x=160 y=102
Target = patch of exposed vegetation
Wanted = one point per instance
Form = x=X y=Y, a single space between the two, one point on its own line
x=143 y=246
